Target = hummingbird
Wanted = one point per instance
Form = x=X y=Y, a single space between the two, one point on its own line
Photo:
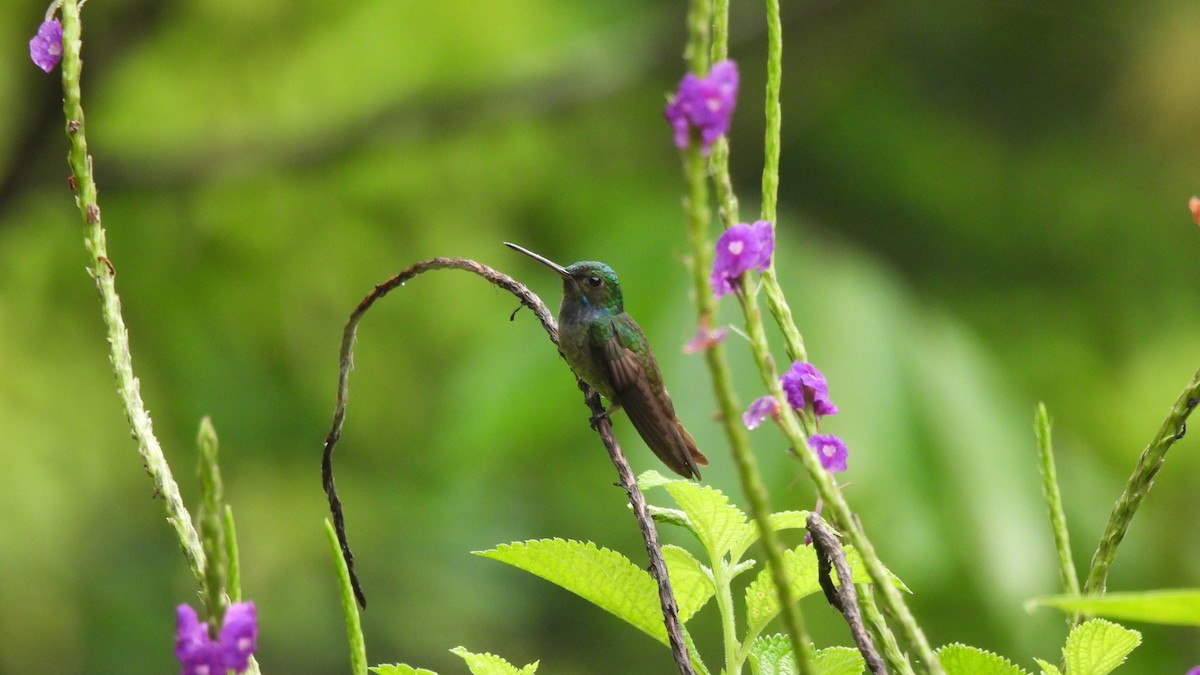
x=607 y=349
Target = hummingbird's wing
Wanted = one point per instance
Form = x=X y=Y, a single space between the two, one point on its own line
x=637 y=383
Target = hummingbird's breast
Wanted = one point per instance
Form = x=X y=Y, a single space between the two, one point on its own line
x=578 y=326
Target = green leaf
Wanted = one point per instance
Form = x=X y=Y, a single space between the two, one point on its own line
x=1097 y=647
x=840 y=661
x=717 y=523
x=772 y=655
x=1175 y=607
x=603 y=577
x=1048 y=668
x=490 y=664
x=652 y=479
x=858 y=570
x=399 y=669
x=669 y=516
x=800 y=563
x=762 y=601
x=783 y=520
x=692 y=585
x=960 y=659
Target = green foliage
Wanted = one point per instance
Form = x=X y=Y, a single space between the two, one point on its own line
x=1097 y=647
x=772 y=655
x=399 y=669
x=1175 y=607
x=691 y=581
x=358 y=647
x=601 y=576
x=1048 y=668
x=490 y=664
x=960 y=659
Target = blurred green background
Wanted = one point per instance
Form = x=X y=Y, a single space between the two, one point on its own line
x=982 y=206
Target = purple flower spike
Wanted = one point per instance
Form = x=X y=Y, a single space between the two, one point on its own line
x=46 y=47
x=739 y=249
x=831 y=450
x=805 y=385
x=759 y=410
x=200 y=655
x=239 y=635
x=704 y=103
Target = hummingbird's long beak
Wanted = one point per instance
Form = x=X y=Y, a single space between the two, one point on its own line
x=562 y=271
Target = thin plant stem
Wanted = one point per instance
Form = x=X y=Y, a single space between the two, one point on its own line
x=212 y=529
x=724 y=598
x=354 y=634
x=231 y=554
x=104 y=274
x=1054 y=505
x=844 y=595
x=882 y=634
x=1150 y=461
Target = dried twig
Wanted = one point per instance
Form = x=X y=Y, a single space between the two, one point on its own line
x=602 y=424
x=843 y=597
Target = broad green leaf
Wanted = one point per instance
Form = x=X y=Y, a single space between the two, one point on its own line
x=1048 y=668
x=399 y=669
x=669 y=516
x=692 y=586
x=840 y=661
x=772 y=655
x=783 y=520
x=1176 y=607
x=762 y=602
x=490 y=664
x=603 y=577
x=858 y=570
x=1097 y=647
x=960 y=659
x=652 y=479
x=717 y=523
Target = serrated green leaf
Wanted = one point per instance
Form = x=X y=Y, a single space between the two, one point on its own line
x=762 y=602
x=1175 y=607
x=1048 y=668
x=669 y=516
x=858 y=570
x=960 y=659
x=839 y=661
x=399 y=669
x=603 y=577
x=717 y=523
x=782 y=520
x=1097 y=647
x=692 y=586
x=490 y=664
x=652 y=479
x=772 y=655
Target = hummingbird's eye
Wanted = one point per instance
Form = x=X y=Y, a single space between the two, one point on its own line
x=594 y=282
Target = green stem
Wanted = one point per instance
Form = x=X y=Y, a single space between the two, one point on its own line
x=724 y=596
x=212 y=529
x=1151 y=460
x=358 y=646
x=231 y=554
x=1058 y=519
x=770 y=178
x=104 y=274
x=880 y=631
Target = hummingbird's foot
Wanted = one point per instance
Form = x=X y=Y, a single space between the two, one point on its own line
x=594 y=420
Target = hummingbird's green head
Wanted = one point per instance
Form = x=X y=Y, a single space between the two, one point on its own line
x=593 y=284
x=587 y=283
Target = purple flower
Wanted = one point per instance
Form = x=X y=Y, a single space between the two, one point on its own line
x=705 y=338
x=46 y=47
x=831 y=450
x=704 y=103
x=1194 y=671
x=740 y=248
x=805 y=385
x=759 y=410
x=200 y=655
